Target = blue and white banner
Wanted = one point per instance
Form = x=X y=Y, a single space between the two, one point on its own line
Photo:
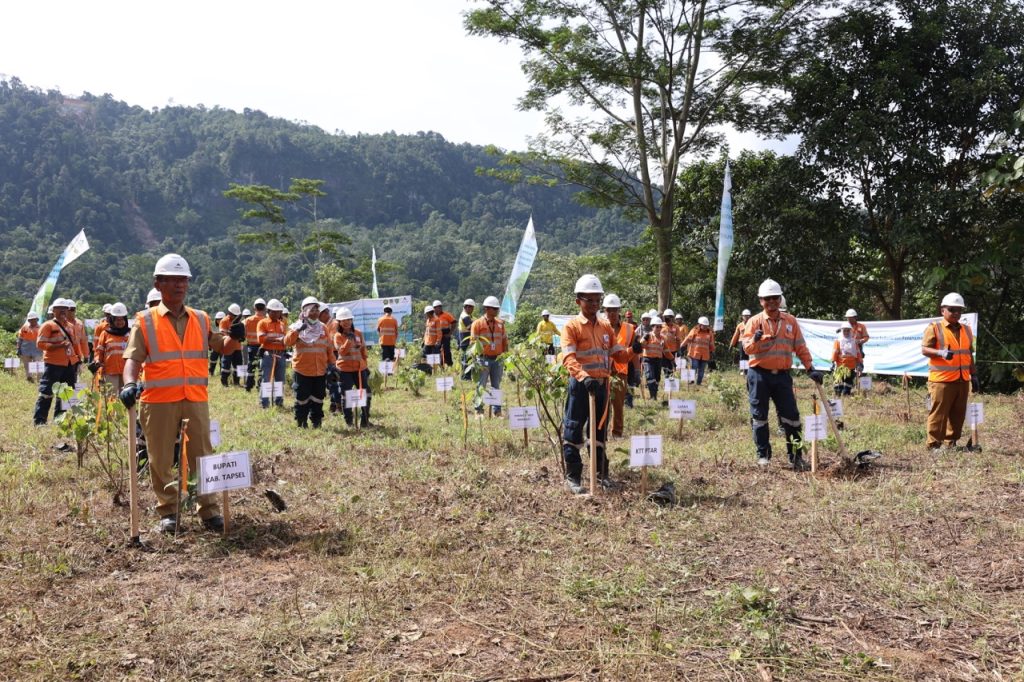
x=73 y=250
x=373 y=267
x=724 y=249
x=366 y=312
x=894 y=346
x=520 y=271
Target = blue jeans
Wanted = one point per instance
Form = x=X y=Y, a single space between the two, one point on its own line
x=491 y=370
x=652 y=372
x=271 y=363
x=575 y=425
x=699 y=366
x=763 y=386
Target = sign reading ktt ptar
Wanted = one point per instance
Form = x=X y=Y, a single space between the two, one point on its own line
x=645 y=451
x=225 y=471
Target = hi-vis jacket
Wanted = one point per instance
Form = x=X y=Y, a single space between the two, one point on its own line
x=311 y=359
x=961 y=367
x=59 y=348
x=737 y=334
x=109 y=351
x=700 y=344
x=387 y=330
x=492 y=333
x=432 y=331
x=673 y=335
x=270 y=334
x=624 y=338
x=175 y=367
x=588 y=348
x=252 y=328
x=654 y=347
x=446 y=322
x=230 y=344
x=782 y=338
x=351 y=350
x=846 y=354
x=546 y=331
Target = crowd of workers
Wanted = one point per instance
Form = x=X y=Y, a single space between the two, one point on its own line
x=172 y=350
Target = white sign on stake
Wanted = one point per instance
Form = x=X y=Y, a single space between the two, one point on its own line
x=386 y=367
x=975 y=414
x=550 y=359
x=399 y=353
x=223 y=472
x=744 y=364
x=523 y=418
x=12 y=363
x=682 y=409
x=434 y=359
x=272 y=389
x=355 y=398
x=242 y=371
x=865 y=383
x=492 y=396
x=214 y=433
x=680 y=363
x=36 y=367
x=671 y=384
x=688 y=376
x=837 y=407
x=645 y=451
x=445 y=383
x=79 y=386
x=815 y=427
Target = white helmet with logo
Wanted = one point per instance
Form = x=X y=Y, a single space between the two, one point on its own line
x=657 y=321
x=153 y=296
x=704 y=321
x=343 y=313
x=275 y=305
x=309 y=300
x=492 y=302
x=612 y=301
x=119 y=310
x=850 y=313
x=234 y=309
x=769 y=287
x=172 y=264
x=953 y=299
x=589 y=284
x=469 y=302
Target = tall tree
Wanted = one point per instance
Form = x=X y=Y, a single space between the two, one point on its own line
x=646 y=82
x=897 y=101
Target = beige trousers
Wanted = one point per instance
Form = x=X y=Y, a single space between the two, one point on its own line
x=949 y=409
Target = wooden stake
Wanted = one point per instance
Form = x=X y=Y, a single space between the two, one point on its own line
x=183 y=473
x=906 y=391
x=643 y=481
x=593 y=444
x=814 y=443
x=526 y=432
x=133 y=477
x=225 y=503
x=465 y=423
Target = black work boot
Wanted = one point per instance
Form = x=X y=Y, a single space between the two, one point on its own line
x=573 y=478
x=603 y=477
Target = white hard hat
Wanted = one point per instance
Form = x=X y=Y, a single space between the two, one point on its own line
x=32 y=316
x=274 y=304
x=106 y=308
x=436 y=303
x=589 y=284
x=492 y=302
x=219 y=315
x=612 y=301
x=172 y=264
x=545 y=312
x=343 y=313
x=769 y=287
x=247 y=312
x=310 y=300
x=782 y=303
x=704 y=321
x=469 y=301
x=70 y=303
x=49 y=309
x=428 y=310
x=953 y=299
x=258 y=302
x=850 y=313
x=285 y=311
x=119 y=310
x=153 y=295
x=234 y=309
x=657 y=320
x=652 y=313
x=59 y=303
x=647 y=315
x=668 y=313
x=746 y=311
x=846 y=325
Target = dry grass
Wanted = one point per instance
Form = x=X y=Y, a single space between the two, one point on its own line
x=404 y=556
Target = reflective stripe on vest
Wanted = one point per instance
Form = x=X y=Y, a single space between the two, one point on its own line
x=176 y=368
x=959 y=366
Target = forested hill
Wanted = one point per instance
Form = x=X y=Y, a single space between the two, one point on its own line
x=145 y=181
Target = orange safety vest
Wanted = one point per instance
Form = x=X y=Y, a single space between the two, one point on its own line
x=446 y=320
x=351 y=350
x=492 y=332
x=110 y=352
x=432 y=331
x=230 y=344
x=958 y=368
x=670 y=334
x=175 y=368
x=849 y=361
x=700 y=344
x=624 y=339
x=387 y=330
x=587 y=348
x=252 y=329
x=310 y=359
x=654 y=347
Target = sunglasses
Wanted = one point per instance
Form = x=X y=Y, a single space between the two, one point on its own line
x=771 y=298
x=596 y=300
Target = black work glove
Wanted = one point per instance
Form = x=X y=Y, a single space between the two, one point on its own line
x=637 y=347
x=975 y=384
x=947 y=355
x=816 y=376
x=94 y=367
x=129 y=394
x=758 y=334
x=592 y=385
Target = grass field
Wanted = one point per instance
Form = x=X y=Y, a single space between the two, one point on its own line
x=405 y=555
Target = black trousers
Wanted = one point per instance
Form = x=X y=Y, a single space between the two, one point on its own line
x=52 y=374
x=309 y=399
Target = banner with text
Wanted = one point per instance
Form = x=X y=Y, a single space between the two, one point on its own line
x=366 y=312
x=520 y=271
x=73 y=250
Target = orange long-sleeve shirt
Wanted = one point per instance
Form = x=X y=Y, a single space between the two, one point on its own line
x=351 y=350
x=270 y=334
x=700 y=344
x=782 y=338
x=109 y=352
x=58 y=348
x=492 y=333
x=588 y=348
x=311 y=359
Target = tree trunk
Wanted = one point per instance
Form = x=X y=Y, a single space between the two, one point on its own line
x=663 y=244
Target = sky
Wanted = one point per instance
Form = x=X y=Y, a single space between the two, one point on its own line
x=349 y=66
